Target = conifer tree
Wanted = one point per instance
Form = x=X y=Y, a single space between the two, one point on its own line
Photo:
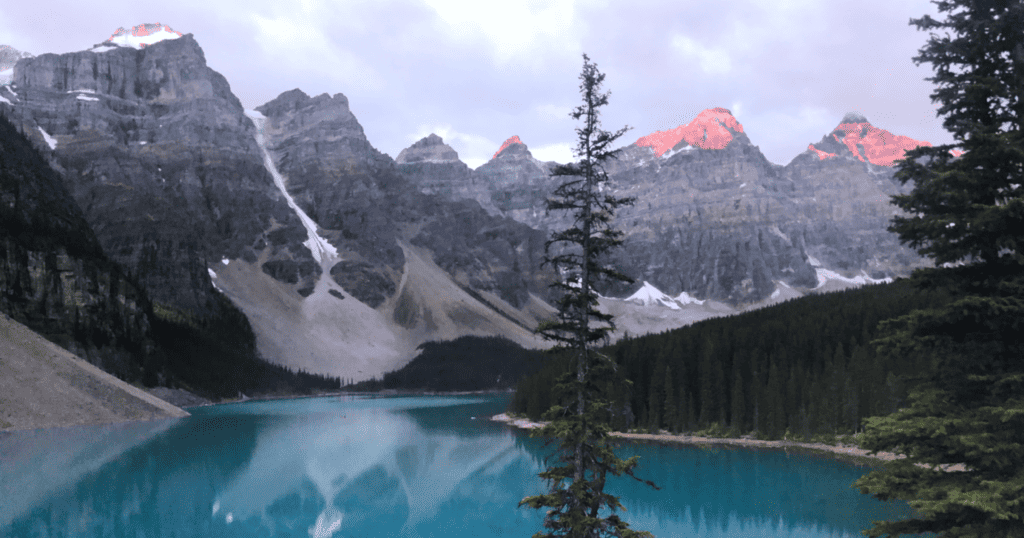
x=576 y=497
x=967 y=214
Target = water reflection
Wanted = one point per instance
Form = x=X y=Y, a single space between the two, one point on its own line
x=387 y=467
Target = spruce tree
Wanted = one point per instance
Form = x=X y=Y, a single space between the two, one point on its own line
x=966 y=403
x=576 y=498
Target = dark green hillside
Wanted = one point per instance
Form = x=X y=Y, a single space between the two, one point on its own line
x=464 y=364
x=806 y=366
x=55 y=278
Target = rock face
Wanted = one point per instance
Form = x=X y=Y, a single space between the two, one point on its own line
x=367 y=206
x=54 y=276
x=159 y=154
x=434 y=168
x=717 y=220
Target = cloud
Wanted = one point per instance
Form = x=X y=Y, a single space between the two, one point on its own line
x=714 y=61
x=511 y=29
x=561 y=153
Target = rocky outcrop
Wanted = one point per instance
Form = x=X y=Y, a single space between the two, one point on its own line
x=159 y=154
x=434 y=168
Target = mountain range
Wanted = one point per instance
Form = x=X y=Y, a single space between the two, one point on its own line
x=344 y=260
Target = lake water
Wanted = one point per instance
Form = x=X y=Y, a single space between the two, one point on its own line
x=410 y=466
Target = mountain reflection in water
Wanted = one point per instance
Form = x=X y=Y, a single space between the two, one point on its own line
x=423 y=466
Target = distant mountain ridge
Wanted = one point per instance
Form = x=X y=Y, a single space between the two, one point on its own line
x=715 y=219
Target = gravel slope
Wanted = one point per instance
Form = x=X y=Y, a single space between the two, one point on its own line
x=45 y=386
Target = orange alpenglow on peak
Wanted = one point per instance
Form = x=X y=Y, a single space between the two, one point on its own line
x=509 y=142
x=880 y=146
x=711 y=129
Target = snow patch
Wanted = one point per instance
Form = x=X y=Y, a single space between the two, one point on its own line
x=648 y=295
x=225 y=261
x=84 y=98
x=685 y=299
x=212 y=274
x=142 y=35
x=743 y=185
x=323 y=251
x=142 y=142
x=4 y=100
x=776 y=293
x=813 y=261
x=50 y=141
x=102 y=48
x=825 y=275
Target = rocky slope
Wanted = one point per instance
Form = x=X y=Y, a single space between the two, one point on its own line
x=44 y=386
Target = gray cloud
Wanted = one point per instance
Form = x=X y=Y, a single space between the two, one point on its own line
x=788 y=69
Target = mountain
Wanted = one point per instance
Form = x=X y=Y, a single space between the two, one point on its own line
x=715 y=219
x=339 y=263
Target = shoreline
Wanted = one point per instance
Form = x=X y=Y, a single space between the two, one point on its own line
x=841 y=451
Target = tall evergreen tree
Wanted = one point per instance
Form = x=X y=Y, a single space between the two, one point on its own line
x=967 y=214
x=576 y=496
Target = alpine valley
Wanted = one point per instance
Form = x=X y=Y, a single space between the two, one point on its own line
x=344 y=260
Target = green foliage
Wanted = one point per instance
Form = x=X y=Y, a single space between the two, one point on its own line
x=966 y=399
x=580 y=417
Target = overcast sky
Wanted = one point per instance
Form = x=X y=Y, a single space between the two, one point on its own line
x=477 y=72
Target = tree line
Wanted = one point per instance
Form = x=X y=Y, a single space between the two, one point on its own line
x=797 y=369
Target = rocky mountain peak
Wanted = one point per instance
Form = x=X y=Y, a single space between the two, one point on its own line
x=142 y=35
x=856 y=137
x=510 y=142
x=295 y=100
x=713 y=128
x=428 y=149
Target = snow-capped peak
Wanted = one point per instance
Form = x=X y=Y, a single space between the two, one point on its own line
x=142 y=35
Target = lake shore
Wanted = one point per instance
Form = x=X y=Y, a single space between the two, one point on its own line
x=843 y=451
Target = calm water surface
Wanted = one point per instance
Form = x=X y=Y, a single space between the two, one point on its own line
x=416 y=466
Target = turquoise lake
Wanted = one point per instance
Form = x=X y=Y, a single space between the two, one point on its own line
x=404 y=466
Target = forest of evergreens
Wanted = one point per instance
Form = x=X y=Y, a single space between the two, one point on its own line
x=806 y=367
x=465 y=364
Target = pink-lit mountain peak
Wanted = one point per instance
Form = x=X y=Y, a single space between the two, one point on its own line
x=713 y=128
x=512 y=140
x=142 y=35
x=871 y=144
